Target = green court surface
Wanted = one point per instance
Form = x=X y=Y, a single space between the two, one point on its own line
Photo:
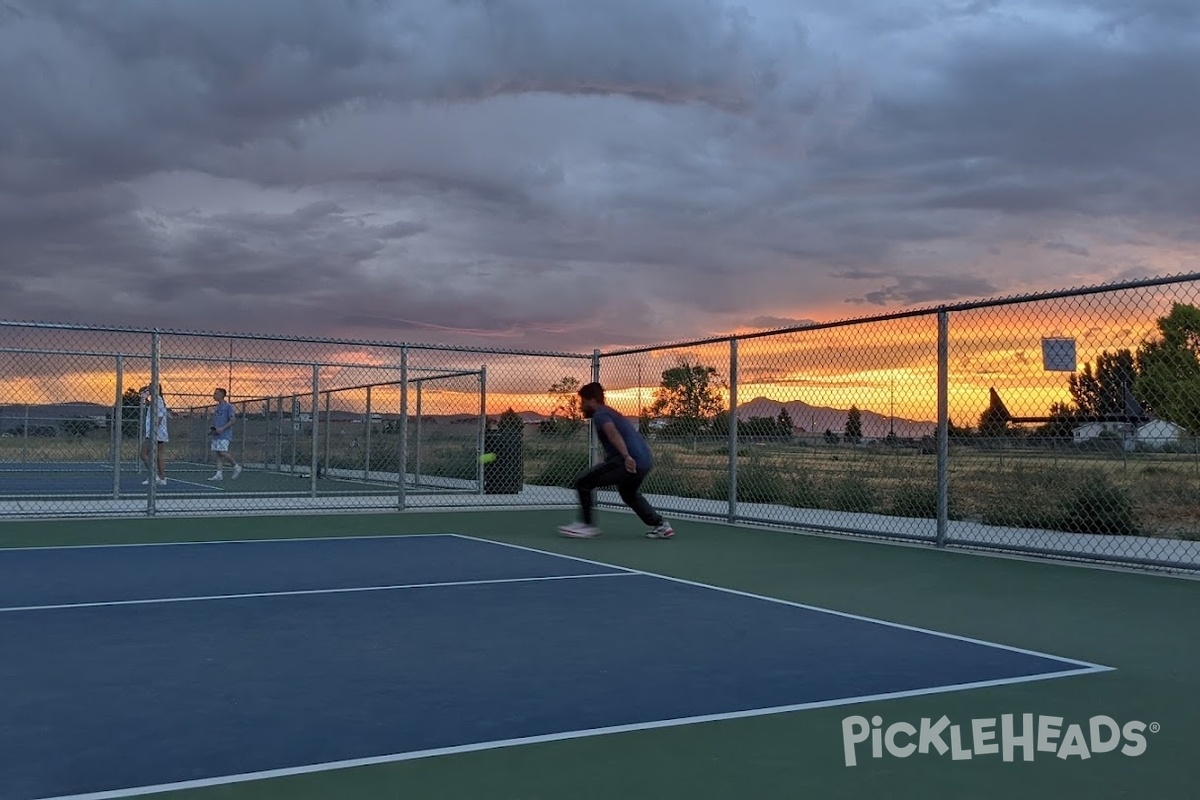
x=1144 y=626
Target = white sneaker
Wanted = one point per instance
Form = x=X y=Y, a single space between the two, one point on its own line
x=578 y=530
x=217 y=477
x=161 y=481
x=237 y=470
x=663 y=531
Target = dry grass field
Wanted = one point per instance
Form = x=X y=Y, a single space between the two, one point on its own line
x=1061 y=488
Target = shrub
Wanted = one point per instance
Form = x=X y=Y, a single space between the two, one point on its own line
x=1099 y=506
x=852 y=493
x=670 y=479
x=563 y=468
x=756 y=483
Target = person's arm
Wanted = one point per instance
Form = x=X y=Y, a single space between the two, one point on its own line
x=618 y=441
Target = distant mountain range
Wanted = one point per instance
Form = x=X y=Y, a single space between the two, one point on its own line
x=814 y=419
x=818 y=419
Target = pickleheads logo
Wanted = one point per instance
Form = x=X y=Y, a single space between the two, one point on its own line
x=982 y=737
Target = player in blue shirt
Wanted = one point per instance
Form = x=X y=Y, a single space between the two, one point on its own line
x=627 y=463
x=222 y=435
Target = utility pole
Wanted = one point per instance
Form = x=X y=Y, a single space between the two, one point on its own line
x=892 y=411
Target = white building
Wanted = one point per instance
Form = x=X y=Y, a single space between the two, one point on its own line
x=1159 y=433
x=1153 y=435
x=1093 y=430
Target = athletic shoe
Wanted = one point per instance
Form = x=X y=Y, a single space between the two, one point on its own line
x=578 y=530
x=663 y=531
x=237 y=470
x=217 y=477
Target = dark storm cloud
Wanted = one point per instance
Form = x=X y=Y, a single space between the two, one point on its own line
x=578 y=173
x=918 y=289
x=769 y=322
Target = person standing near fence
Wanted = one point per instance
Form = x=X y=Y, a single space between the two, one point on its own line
x=222 y=435
x=159 y=435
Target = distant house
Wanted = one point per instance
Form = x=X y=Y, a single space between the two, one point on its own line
x=1153 y=435
x=1159 y=433
x=1094 y=430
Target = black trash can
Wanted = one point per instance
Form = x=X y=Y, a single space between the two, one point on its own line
x=505 y=475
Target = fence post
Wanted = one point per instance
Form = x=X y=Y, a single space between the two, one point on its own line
x=279 y=434
x=481 y=446
x=593 y=442
x=316 y=400
x=402 y=455
x=733 y=429
x=327 y=426
x=417 y=438
x=943 y=426
x=367 y=417
x=152 y=439
x=118 y=424
x=295 y=418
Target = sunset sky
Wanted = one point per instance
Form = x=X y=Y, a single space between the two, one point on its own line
x=573 y=175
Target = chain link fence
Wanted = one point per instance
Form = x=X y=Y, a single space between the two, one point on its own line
x=317 y=424
x=1065 y=423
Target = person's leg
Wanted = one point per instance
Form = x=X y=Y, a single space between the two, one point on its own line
x=162 y=462
x=606 y=474
x=220 y=449
x=630 y=490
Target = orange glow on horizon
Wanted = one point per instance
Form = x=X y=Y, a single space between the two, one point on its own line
x=885 y=367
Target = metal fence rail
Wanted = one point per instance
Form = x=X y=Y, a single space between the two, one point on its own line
x=1065 y=423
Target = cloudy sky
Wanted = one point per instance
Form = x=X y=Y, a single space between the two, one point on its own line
x=571 y=174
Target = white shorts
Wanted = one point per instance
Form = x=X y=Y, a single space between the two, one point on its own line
x=220 y=445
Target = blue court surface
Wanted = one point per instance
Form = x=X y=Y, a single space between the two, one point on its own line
x=176 y=665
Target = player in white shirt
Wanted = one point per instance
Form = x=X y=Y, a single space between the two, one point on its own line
x=160 y=435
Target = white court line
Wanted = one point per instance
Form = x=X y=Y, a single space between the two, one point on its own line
x=545 y=738
x=302 y=592
x=1084 y=669
x=352 y=537
x=201 y=485
x=1088 y=667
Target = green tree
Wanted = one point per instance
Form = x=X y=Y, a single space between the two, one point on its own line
x=759 y=426
x=1169 y=367
x=853 y=430
x=993 y=422
x=955 y=432
x=79 y=426
x=131 y=405
x=567 y=416
x=689 y=396
x=830 y=437
x=784 y=421
x=565 y=393
x=510 y=420
x=719 y=425
x=1104 y=390
x=1062 y=422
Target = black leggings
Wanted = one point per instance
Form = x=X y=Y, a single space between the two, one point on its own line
x=613 y=473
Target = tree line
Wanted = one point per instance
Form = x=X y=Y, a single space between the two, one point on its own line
x=1162 y=374
x=1160 y=378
